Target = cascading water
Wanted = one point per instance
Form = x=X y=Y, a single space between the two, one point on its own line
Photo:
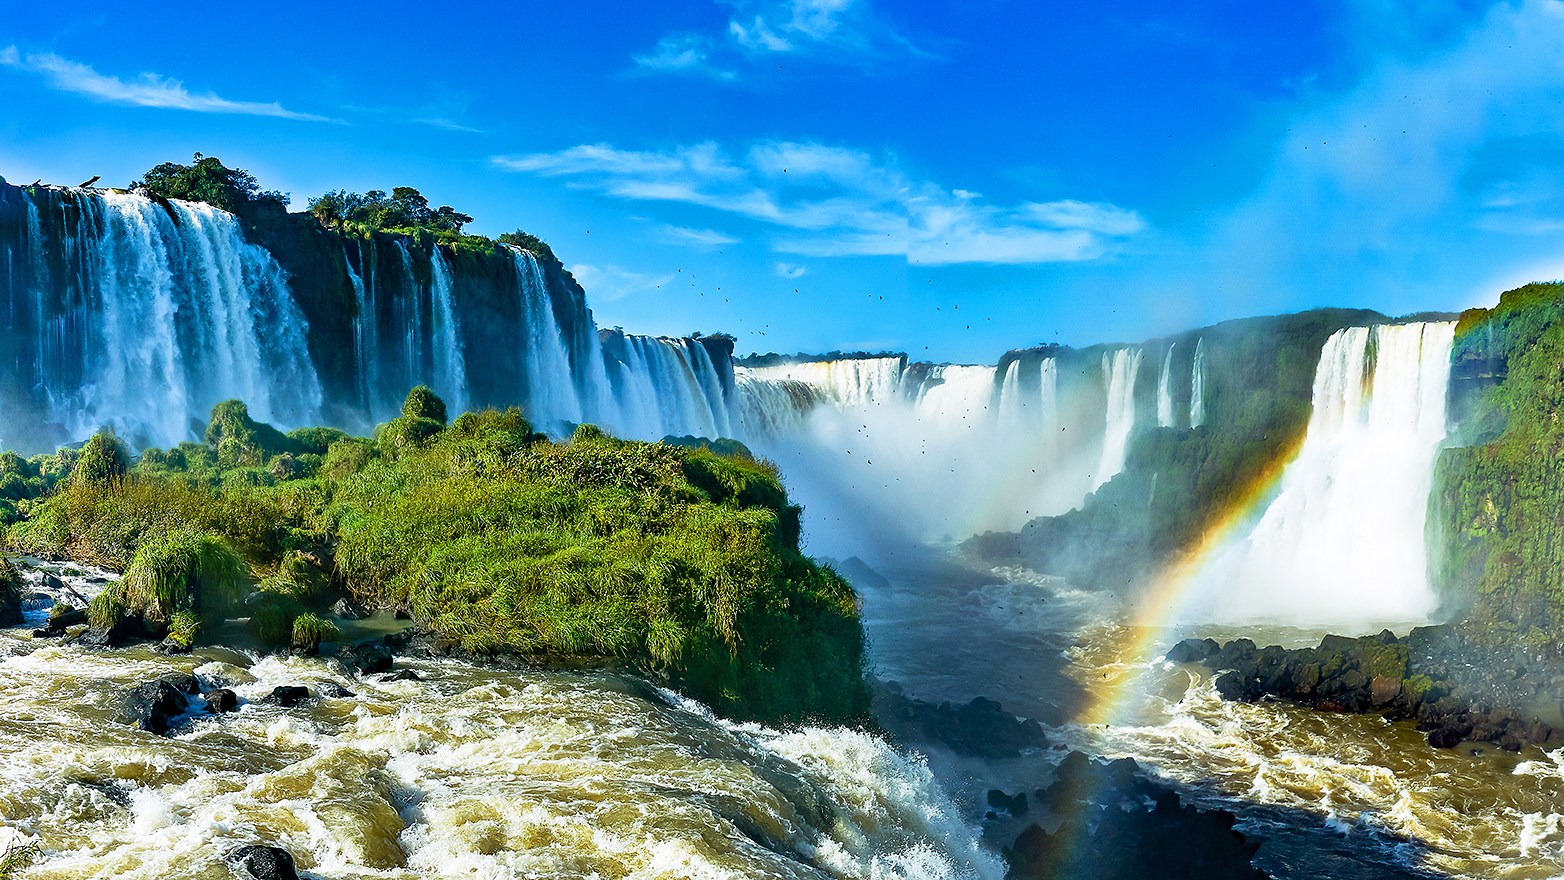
x=1197 y=386
x=1165 y=391
x=667 y=387
x=140 y=316
x=1119 y=369
x=1343 y=542
x=450 y=367
x=851 y=382
x=550 y=392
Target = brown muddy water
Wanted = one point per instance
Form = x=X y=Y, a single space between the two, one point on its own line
x=471 y=772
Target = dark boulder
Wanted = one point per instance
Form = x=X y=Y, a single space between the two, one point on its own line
x=347 y=609
x=1445 y=738
x=154 y=705
x=402 y=675
x=222 y=700
x=330 y=690
x=263 y=863
x=287 y=696
x=1193 y=650
x=368 y=658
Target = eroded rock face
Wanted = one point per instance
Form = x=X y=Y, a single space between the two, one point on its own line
x=981 y=728
x=1456 y=688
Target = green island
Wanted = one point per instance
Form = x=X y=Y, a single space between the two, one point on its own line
x=673 y=560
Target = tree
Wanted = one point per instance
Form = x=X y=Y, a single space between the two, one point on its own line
x=104 y=461
x=529 y=242
x=208 y=180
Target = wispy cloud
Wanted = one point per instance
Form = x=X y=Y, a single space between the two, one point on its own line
x=146 y=90
x=611 y=282
x=701 y=238
x=838 y=31
x=828 y=201
x=788 y=270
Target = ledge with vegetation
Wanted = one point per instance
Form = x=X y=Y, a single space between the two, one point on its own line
x=680 y=562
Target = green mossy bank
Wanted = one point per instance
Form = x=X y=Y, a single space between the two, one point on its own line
x=678 y=561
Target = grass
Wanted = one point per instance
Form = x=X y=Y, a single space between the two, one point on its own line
x=678 y=561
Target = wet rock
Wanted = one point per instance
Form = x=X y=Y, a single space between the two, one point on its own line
x=117 y=636
x=1445 y=738
x=169 y=646
x=402 y=675
x=154 y=705
x=330 y=690
x=981 y=728
x=999 y=802
x=263 y=863
x=222 y=700
x=1107 y=832
x=347 y=609
x=287 y=696
x=61 y=619
x=369 y=657
x=1193 y=650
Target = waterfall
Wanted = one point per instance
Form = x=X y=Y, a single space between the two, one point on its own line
x=1197 y=385
x=1119 y=368
x=365 y=335
x=1343 y=541
x=667 y=387
x=848 y=382
x=1165 y=391
x=450 y=368
x=146 y=314
x=550 y=392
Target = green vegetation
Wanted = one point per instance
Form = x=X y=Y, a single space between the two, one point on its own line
x=1499 y=502
x=405 y=209
x=206 y=179
x=678 y=561
x=16 y=857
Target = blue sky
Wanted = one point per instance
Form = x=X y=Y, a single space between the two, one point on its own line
x=948 y=179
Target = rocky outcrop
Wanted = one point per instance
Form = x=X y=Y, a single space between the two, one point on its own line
x=981 y=727
x=155 y=706
x=1115 y=824
x=263 y=863
x=1456 y=687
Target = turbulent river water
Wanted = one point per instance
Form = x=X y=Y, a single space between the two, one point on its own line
x=1340 y=796
x=470 y=772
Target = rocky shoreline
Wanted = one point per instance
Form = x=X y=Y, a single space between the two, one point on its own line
x=1457 y=684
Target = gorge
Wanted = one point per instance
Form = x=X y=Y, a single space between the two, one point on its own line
x=1040 y=531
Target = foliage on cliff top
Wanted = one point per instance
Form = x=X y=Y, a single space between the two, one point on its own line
x=207 y=179
x=405 y=209
x=1497 y=504
x=676 y=560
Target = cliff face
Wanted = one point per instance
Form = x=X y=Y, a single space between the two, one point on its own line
x=137 y=313
x=1255 y=382
x=1498 y=500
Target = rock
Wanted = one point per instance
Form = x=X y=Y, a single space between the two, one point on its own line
x=402 y=675
x=981 y=728
x=154 y=705
x=62 y=618
x=288 y=696
x=347 y=609
x=263 y=863
x=369 y=657
x=222 y=700
x=330 y=690
x=998 y=801
x=1445 y=738
x=117 y=636
x=1383 y=689
x=1193 y=650
x=170 y=646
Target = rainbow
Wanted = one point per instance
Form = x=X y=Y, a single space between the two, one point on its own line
x=1171 y=590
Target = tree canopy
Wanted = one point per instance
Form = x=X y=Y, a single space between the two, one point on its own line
x=404 y=208
x=207 y=179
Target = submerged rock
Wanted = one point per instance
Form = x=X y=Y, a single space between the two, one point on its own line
x=287 y=696
x=263 y=863
x=980 y=727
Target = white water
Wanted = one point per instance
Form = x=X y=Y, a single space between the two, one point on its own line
x=1343 y=543
x=550 y=394
x=450 y=367
x=1197 y=386
x=1119 y=369
x=1165 y=391
x=174 y=312
x=667 y=387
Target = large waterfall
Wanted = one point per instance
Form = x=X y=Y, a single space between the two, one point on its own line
x=1119 y=369
x=123 y=312
x=1343 y=540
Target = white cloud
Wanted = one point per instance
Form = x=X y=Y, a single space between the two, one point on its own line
x=146 y=90
x=788 y=270
x=682 y=53
x=829 y=30
x=614 y=282
x=701 y=238
x=828 y=201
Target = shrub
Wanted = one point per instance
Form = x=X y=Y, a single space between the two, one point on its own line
x=422 y=403
x=184 y=571
x=310 y=629
x=109 y=607
x=104 y=461
x=182 y=628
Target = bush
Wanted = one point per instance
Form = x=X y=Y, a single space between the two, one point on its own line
x=184 y=571
x=104 y=461
x=422 y=403
x=182 y=628
x=310 y=629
